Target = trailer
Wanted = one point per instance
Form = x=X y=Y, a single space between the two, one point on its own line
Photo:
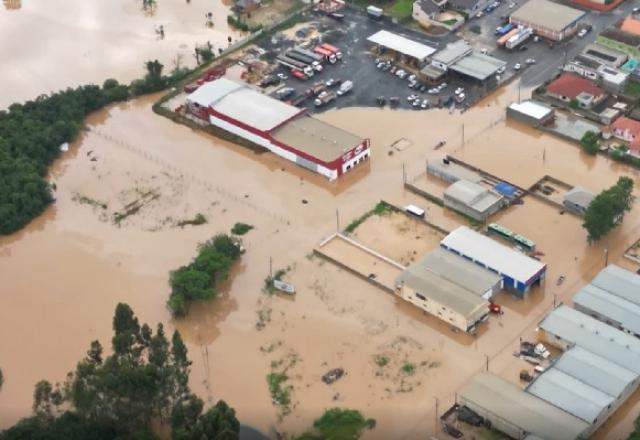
x=296 y=55
x=307 y=53
x=502 y=40
x=328 y=56
x=520 y=37
x=294 y=64
x=334 y=50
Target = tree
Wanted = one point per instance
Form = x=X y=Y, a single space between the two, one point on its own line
x=339 y=424
x=574 y=103
x=218 y=423
x=607 y=209
x=590 y=142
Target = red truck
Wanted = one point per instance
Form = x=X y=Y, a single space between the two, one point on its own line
x=299 y=74
x=328 y=55
x=334 y=50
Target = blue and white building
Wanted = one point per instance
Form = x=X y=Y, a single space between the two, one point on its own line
x=519 y=271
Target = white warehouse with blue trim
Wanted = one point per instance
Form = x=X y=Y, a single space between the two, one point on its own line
x=520 y=272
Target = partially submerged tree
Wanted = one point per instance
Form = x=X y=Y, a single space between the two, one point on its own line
x=590 y=142
x=607 y=209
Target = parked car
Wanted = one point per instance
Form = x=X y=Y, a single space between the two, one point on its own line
x=443 y=86
x=635 y=10
x=330 y=82
x=401 y=74
x=479 y=14
x=582 y=33
x=412 y=78
x=433 y=91
x=452 y=431
x=285 y=93
x=530 y=61
x=512 y=5
x=416 y=103
x=425 y=104
x=393 y=69
x=282 y=76
x=536 y=39
x=516 y=66
x=501 y=70
x=484 y=51
x=423 y=88
x=412 y=98
x=459 y=90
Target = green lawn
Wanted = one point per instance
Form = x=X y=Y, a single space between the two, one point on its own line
x=633 y=88
x=401 y=9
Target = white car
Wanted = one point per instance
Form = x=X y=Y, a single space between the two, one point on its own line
x=459 y=90
x=402 y=74
x=484 y=51
x=443 y=86
x=412 y=98
x=502 y=69
x=433 y=91
x=412 y=78
x=424 y=104
x=282 y=76
x=530 y=61
x=512 y=5
x=582 y=33
x=479 y=14
x=517 y=66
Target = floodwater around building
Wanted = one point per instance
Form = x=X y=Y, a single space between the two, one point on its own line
x=64 y=274
x=50 y=45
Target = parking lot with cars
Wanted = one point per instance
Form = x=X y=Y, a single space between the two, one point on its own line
x=373 y=80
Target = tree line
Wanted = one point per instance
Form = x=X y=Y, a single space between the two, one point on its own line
x=197 y=280
x=31 y=135
x=144 y=381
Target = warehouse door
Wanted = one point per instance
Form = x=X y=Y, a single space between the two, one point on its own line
x=307 y=164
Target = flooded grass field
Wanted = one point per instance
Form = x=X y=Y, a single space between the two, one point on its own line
x=63 y=275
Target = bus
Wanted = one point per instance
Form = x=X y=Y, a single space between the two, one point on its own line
x=524 y=242
x=500 y=230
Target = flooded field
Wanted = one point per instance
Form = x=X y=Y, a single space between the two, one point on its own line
x=79 y=42
x=63 y=275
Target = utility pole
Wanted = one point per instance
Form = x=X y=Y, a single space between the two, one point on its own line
x=463 y=134
x=337 y=220
x=404 y=174
x=486 y=357
x=606 y=257
x=519 y=88
x=555 y=300
x=435 y=420
x=271 y=267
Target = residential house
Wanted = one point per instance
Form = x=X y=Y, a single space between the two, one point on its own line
x=628 y=130
x=468 y=7
x=426 y=11
x=569 y=87
x=617 y=39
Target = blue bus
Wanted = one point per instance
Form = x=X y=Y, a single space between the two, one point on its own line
x=500 y=31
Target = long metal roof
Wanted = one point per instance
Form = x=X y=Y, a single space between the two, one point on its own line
x=473 y=195
x=210 y=92
x=478 y=66
x=401 y=44
x=492 y=254
x=462 y=272
x=595 y=336
x=620 y=282
x=547 y=14
x=530 y=413
x=610 y=306
x=570 y=394
x=592 y=369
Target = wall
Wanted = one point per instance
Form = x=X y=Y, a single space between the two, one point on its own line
x=454 y=204
x=497 y=422
x=434 y=308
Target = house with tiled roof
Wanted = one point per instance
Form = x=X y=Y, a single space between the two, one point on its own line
x=630 y=25
x=628 y=130
x=569 y=87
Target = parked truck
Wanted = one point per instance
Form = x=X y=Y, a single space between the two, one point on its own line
x=502 y=40
x=328 y=56
x=345 y=88
x=294 y=64
x=324 y=98
x=334 y=50
x=315 y=65
x=520 y=37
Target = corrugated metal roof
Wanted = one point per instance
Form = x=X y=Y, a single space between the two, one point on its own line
x=472 y=195
x=579 y=196
x=462 y=272
x=594 y=336
x=528 y=412
x=212 y=91
x=570 y=394
x=478 y=65
x=401 y=44
x=609 y=305
x=547 y=14
x=493 y=254
x=452 y=52
x=600 y=373
x=620 y=282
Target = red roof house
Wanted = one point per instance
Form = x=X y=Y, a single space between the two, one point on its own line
x=569 y=86
x=628 y=130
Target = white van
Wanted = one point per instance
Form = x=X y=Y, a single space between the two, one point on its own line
x=414 y=210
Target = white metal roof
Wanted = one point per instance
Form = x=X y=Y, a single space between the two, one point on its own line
x=592 y=369
x=579 y=196
x=620 y=282
x=255 y=109
x=531 y=108
x=401 y=44
x=609 y=305
x=526 y=411
x=570 y=394
x=212 y=91
x=492 y=254
x=594 y=336
x=478 y=65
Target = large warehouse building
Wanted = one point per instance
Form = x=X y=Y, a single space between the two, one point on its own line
x=548 y=19
x=515 y=412
x=520 y=272
x=473 y=200
x=613 y=297
x=279 y=127
x=449 y=288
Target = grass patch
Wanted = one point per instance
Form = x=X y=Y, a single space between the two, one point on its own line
x=241 y=228
x=449 y=22
x=339 y=424
x=84 y=200
x=632 y=89
x=408 y=368
x=199 y=219
x=382 y=208
x=401 y=9
x=381 y=360
x=280 y=393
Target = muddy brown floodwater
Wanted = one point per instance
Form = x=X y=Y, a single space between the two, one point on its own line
x=50 y=45
x=63 y=275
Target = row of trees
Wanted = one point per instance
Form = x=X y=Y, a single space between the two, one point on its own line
x=31 y=135
x=145 y=380
x=607 y=209
x=197 y=280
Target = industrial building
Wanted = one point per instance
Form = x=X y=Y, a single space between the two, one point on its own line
x=519 y=271
x=451 y=172
x=449 y=288
x=531 y=113
x=279 y=127
x=473 y=200
x=405 y=50
x=452 y=53
x=478 y=66
x=613 y=297
x=548 y=19
x=517 y=413
x=577 y=199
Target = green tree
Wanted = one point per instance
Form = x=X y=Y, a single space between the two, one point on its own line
x=590 y=142
x=607 y=209
x=574 y=103
x=339 y=424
